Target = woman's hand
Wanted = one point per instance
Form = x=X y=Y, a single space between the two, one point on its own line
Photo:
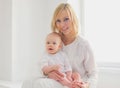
x=69 y=75
x=76 y=77
x=69 y=78
x=56 y=67
x=77 y=81
x=80 y=85
x=85 y=85
x=48 y=69
x=56 y=75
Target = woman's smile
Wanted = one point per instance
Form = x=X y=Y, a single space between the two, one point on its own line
x=65 y=29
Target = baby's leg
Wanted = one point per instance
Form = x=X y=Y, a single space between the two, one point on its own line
x=77 y=81
x=66 y=82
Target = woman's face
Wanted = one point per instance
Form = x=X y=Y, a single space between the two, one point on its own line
x=64 y=23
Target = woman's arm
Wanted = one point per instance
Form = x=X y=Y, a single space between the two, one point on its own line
x=47 y=69
x=69 y=75
x=90 y=67
x=56 y=75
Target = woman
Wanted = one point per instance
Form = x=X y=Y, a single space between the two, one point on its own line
x=78 y=50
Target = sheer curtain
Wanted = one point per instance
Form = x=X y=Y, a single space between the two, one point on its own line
x=100 y=20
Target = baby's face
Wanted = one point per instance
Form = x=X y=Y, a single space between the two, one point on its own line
x=53 y=44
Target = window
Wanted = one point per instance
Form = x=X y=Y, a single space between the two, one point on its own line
x=101 y=19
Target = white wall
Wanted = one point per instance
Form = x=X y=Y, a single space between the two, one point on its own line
x=5 y=39
x=109 y=78
x=28 y=26
x=24 y=28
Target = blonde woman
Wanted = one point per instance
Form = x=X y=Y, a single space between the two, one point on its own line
x=77 y=48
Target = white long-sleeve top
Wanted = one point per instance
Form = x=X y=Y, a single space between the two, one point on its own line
x=82 y=60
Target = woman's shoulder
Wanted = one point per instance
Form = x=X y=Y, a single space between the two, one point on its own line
x=82 y=41
x=62 y=53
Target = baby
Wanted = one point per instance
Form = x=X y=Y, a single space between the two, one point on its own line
x=56 y=60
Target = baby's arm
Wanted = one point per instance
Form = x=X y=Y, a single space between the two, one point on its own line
x=47 y=69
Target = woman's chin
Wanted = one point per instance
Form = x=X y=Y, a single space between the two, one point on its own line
x=65 y=32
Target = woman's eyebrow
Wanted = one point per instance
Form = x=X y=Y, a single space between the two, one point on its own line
x=66 y=17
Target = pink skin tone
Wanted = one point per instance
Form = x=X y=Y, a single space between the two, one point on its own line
x=53 y=43
x=58 y=76
x=75 y=81
x=54 y=73
x=64 y=24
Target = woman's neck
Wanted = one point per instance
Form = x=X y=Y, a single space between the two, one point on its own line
x=67 y=39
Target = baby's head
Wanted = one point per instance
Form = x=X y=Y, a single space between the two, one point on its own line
x=53 y=43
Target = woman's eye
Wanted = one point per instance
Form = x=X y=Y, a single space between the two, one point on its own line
x=66 y=19
x=58 y=21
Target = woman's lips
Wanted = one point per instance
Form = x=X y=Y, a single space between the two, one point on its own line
x=65 y=29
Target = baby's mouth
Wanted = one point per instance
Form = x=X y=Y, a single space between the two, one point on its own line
x=50 y=49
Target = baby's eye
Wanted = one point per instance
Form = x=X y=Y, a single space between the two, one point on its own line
x=48 y=43
x=54 y=43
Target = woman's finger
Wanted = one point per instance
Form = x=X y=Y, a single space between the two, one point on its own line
x=60 y=74
x=54 y=75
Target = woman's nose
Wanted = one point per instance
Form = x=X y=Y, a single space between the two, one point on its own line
x=62 y=24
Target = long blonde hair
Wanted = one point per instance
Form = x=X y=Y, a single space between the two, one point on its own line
x=69 y=9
